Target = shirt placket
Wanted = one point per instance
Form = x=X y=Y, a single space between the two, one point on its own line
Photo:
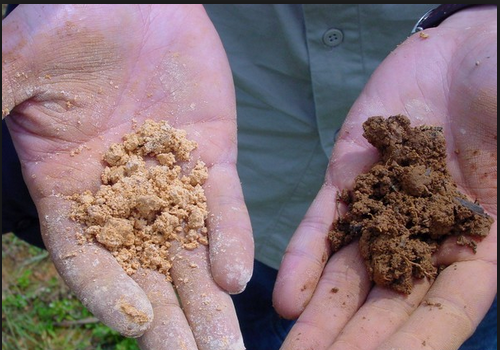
x=336 y=64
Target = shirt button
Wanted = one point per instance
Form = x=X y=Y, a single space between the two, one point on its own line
x=333 y=37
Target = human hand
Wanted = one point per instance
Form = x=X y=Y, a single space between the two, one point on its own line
x=447 y=79
x=77 y=78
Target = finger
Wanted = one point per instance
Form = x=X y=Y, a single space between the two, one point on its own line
x=169 y=328
x=230 y=231
x=339 y=294
x=453 y=308
x=305 y=257
x=383 y=312
x=93 y=274
x=450 y=251
x=208 y=308
x=309 y=247
x=15 y=70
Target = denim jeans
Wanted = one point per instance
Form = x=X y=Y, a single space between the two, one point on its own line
x=264 y=329
x=485 y=337
x=261 y=326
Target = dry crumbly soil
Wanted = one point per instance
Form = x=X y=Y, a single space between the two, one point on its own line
x=406 y=205
x=141 y=208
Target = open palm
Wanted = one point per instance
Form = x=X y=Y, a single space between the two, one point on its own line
x=444 y=77
x=75 y=79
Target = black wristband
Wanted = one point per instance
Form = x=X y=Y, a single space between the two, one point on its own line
x=437 y=15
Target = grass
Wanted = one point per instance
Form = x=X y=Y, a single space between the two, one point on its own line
x=39 y=312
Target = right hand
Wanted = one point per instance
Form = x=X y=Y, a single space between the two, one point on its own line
x=448 y=79
x=74 y=77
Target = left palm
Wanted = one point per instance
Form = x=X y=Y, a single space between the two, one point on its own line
x=77 y=78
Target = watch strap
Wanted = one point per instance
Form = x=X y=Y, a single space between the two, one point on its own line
x=434 y=17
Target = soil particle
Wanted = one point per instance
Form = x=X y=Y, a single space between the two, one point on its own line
x=140 y=209
x=406 y=205
x=135 y=315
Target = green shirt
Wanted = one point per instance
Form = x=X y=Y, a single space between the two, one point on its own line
x=297 y=70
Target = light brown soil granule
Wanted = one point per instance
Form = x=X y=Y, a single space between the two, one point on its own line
x=140 y=209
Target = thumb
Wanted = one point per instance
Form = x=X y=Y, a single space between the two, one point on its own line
x=16 y=70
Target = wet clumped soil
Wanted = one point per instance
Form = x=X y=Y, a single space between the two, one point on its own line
x=149 y=198
x=406 y=205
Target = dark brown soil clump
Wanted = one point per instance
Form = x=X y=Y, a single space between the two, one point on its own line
x=406 y=205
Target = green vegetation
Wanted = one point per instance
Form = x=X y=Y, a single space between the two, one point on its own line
x=39 y=312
